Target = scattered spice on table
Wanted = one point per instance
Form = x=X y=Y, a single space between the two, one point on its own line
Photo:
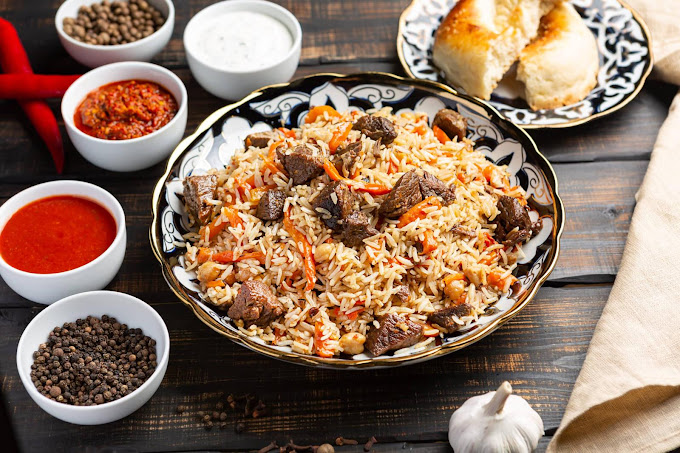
x=93 y=361
x=243 y=406
x=340 y=441
x=372 y=441
x=111 y=23
x=125 y=110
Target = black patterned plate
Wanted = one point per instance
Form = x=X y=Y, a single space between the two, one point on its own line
x=623 y=42
x=222 y=133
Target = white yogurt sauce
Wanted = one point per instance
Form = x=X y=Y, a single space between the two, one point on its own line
x=244 y=41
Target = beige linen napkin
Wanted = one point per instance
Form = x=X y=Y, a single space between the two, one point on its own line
x=627 y=396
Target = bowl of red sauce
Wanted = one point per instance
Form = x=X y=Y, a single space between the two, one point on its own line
x=60 y=238
x=125 y=116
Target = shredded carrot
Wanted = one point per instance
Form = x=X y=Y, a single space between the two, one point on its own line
x=420 y=129
x=318 y=111
x=215 y=284
x=304 y=247
x=418 y=211
x=392 y=169
x=359 y=186
x=203 y=255
x=215 y=229
x=256 y=193
x=494 y=279
x=429 y=242
x=319 y=344
x=227 y=257
x=339 y=137
x=448 y=278
x=354 y=315
x=287 y=132
x=488 y=172
x=461 y=176
x=232 y=214
x=440 y=135
x=492 y=257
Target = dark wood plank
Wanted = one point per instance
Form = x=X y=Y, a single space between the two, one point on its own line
x=540 y=352
x=599 y=198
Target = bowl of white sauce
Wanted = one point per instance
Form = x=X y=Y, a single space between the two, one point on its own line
x=236 y=46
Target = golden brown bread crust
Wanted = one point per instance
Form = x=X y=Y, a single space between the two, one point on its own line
x=460 y=29
x=478 y=40
x=559 y=67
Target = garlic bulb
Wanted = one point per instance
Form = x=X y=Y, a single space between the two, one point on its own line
x=495 y=422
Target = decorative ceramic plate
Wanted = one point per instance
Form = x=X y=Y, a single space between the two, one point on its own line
x=623 y=42
x=222 y=133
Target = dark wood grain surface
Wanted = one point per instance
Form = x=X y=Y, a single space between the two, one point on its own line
x=599 y=166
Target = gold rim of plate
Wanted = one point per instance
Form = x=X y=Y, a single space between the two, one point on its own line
x=570 y=123
x=339 y=363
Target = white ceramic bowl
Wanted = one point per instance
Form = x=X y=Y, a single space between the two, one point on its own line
x=48 y=288
x=126 y=309
x=94 y=55
x=234 y=84
x=136 y=153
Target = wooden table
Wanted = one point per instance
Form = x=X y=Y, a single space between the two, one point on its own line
x=599 y=165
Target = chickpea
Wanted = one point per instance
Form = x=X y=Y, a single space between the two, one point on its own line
x=454 y=289
x=352 y=343
x=475 y=276
x=323 y=252
x=208 y=272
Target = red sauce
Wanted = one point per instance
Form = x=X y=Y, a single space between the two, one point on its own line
x=125 y=110
x=56 y=234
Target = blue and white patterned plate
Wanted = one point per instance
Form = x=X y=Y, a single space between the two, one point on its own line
x=623 y=41
x=222 y=133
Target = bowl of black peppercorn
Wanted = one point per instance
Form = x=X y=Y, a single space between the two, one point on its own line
x=99 y=32
x=94 y=357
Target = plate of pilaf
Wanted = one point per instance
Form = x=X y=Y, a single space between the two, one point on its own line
x=356 y=221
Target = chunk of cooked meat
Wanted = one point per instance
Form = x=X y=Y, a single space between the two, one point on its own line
x=261 y=139
x=303 y=163
x=431 y=185
x=512 y=215
x=402 y=294
x=451 y=122
x=445 y=318
x=197 y=191
x=376 y=128
x=270 y=206
x=347 y=157
x=462 y=231
x=255 y=304
x=404 y=194
x=338 y=200
x=395 y=332
x=356 y=228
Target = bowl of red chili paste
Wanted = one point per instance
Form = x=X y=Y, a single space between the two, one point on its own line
x=60 y=238
x=125 y=116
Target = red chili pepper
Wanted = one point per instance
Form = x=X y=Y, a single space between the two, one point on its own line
x=13 y=59
x=33 y=86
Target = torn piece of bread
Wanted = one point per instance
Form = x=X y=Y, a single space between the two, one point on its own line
x=480 y=39
x=560 y=66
